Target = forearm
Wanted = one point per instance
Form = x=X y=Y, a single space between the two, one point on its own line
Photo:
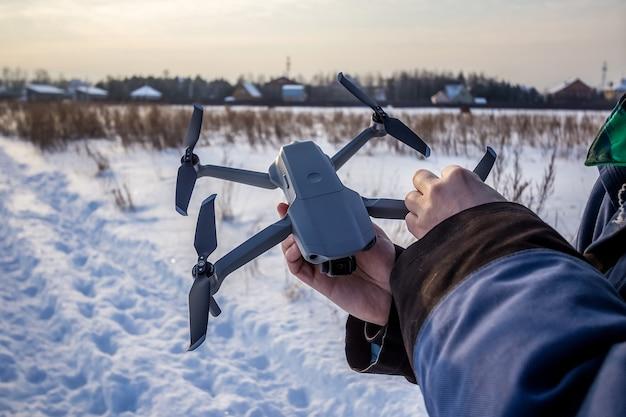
x=501 y=316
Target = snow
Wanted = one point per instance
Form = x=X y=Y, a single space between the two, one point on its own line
x=92 y=91
x=94 y=300
x=146 y=92
x=45 y=89
x=251 y=89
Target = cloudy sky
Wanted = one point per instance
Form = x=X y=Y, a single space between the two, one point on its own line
x=536 y=42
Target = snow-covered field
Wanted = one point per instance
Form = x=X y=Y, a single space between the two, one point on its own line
x=94 y=299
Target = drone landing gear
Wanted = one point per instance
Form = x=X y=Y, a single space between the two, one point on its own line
x=339 y=267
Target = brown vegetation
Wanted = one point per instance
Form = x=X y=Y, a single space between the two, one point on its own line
x=53 y=125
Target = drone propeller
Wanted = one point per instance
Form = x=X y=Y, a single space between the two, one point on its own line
x=393 y=126
x=187 y=174
x=486 y=163
x=201 y=300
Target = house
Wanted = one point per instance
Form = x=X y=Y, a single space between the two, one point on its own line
x=146 y=93
x=245 y=91
x=90 y=93
x=571 y=91
x=293 y=93
x=216 y=90
x=43 y=92
x=614 y=92
x=83 y=91
x=273 y=90
x=453 y=94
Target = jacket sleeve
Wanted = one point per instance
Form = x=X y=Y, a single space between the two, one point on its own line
x=378 y=349
x=500 y=316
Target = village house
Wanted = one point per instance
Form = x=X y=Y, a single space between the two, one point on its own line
x=83 y=91
x=146 y=93
x=572 y=91
x=453 y=94
x=245 y=91
x=43 y=92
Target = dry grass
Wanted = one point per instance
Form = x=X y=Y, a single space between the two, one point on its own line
x=53 y=125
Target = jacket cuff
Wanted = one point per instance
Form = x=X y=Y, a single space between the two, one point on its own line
x=377 y=349
x=431 y=267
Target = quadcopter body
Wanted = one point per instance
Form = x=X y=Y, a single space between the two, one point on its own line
x=329 y=221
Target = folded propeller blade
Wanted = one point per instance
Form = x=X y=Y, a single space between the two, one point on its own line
x=205 y=241
x=357 y=92
x=195 y=124
x=187 y=175
x=486 y=163
x=201 y=302
x=404 y=134
x=185 y=181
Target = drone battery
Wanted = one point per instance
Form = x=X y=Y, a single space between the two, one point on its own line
x=339 y=267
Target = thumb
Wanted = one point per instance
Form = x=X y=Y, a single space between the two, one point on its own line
x=282 y=209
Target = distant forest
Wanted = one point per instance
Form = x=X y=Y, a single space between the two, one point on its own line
x=401 y=88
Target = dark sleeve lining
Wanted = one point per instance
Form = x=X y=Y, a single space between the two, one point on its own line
x=391 y=358
x=431 y=267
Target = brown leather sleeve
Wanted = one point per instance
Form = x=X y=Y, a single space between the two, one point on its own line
x=431 y=267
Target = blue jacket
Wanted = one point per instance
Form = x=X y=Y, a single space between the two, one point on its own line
x=495 y=314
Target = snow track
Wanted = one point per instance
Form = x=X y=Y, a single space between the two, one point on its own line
x=96 y=324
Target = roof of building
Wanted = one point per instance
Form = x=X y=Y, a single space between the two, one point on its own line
x=45 y=89
x=566 y=84
x=146 y=91
x=92 y=91
x=251 y=89
x=281 y=81
x=453 y=90
x=293 y=87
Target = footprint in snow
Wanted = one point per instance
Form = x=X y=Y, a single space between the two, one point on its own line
x=85 y=287
x=127 y=323
x=79 y=261
x=105 y=342
x=224 y=330
x=62 y=247
x=74 y=381
x=35 y=375
x=49 y=309
x=259 y=362
x=298 y=397
x=86 y=309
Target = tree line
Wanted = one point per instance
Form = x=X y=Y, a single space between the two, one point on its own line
x=401 y=88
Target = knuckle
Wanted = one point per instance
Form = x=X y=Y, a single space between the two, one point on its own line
x=411 y=197
x=456 y=173
x=437 y=189
x=419 y=174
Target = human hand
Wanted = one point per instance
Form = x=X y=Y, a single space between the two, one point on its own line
x=436 y=199
x=365 y=293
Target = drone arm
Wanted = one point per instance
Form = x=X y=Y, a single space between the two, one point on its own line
x=344 y=154
x=256 y=179
x=250 y=249
x=386 y=208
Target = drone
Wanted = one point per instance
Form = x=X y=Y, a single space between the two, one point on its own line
x=329 y=221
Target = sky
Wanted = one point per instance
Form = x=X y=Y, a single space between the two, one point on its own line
x=534 y=42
